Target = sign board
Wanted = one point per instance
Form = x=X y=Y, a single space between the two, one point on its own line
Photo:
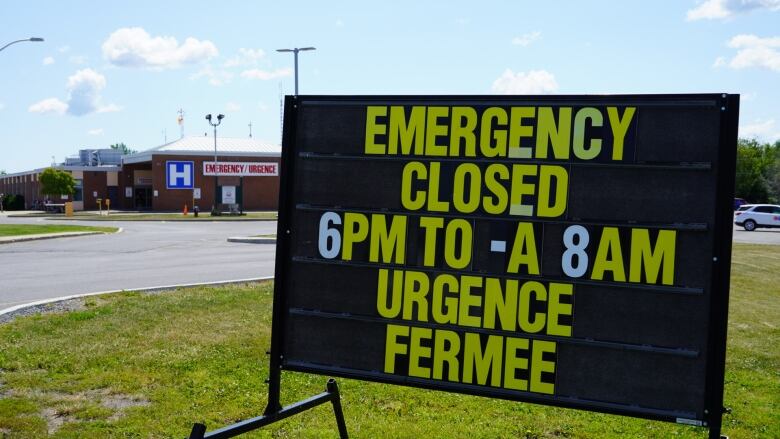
x=228 y=195
x=179 y=175
x=563 y=250
x=128 y=192
x=94 y=193
x=196 y=193
x=241 y=169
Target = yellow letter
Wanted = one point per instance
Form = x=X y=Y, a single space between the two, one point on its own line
x=431 y=226
x=444 y=309
x=473 y=357
x=417 y=351
x=395 y=297
x=555 y=309
x=459 y=188
x=493 y=173
x=524 y=250
x=517 y=131
x=512 y=363
x=539 y=365
x=619 y=129
x=546 y=174
x=609 y=245
x=497 y=304
x=652 y=259
x=434 y=204
x=524 y=311
x=374 y=129
x=416 y=286
x=392 y=347
x=414 y=132
x=486 y=145
x=519 y=189
x=467 y=301
x=455 y=227
x=547 y=132
x=464 y=121
x=393 y=240
x=355 y=230
x=409 y=201
x=434 y=130
x=446 y=345
x=597 y=120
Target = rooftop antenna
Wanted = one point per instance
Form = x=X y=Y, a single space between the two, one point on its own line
x=165 y=135
x=250 y=129
x=180 y=120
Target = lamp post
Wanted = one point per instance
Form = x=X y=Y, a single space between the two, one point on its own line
x=215 y=125
x=34 y=39
x=295 y=51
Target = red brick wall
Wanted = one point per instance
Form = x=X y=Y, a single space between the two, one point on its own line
x=259 y=193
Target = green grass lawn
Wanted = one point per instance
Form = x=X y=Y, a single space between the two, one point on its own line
x=203 y=216
x=34 y=229
x=132 y=365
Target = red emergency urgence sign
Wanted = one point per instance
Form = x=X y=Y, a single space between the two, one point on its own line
x=241 y=169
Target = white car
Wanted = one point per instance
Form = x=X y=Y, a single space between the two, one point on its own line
x=753 y=216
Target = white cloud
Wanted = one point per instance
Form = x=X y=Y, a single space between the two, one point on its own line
x=217 y=78
x=764 y=130
x=339 y=23
x=48 y=61
x=245 y=57
x=232 y=106
x=84 y=88
x=533 y=82
x=78 y=59
x=134 y=47
x=95 y=132
x=754 y=51
x=2 y=106
x=462 y=21
x=526 y=39
x=260 y=105
x=723 y=9
x=63 y=49
x=719 y=62
x=50 y=105
x=266 y=75
x=110 y=108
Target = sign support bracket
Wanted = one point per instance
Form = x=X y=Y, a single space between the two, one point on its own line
x=331 y=394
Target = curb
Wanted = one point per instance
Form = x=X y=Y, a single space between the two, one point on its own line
x=252 y=240
x=16 y=308
x=24 y=238
x=52 y=236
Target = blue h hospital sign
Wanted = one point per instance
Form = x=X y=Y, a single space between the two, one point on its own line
x=179 y=175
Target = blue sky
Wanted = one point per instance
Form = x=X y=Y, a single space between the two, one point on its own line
x=111 y=73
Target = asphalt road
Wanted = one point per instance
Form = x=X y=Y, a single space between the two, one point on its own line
x=758 y=236
x=144 y=254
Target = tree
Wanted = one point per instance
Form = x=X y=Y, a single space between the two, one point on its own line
x=55 y=182
x=122 y=147
x=755 y=163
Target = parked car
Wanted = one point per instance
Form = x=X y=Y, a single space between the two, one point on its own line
x=738 y=202
x=753 y=216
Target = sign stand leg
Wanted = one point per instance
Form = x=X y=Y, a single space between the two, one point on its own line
x=331 y=394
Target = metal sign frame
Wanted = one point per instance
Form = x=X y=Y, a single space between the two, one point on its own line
x=717 y=314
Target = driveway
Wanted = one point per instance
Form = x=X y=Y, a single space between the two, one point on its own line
x=144 y=254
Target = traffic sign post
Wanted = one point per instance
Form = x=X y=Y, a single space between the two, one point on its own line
x=571 y=251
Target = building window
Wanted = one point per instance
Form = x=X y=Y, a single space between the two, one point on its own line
x=78 y=195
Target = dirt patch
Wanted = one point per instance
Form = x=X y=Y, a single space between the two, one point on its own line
x=120 y=402
x=54 y=419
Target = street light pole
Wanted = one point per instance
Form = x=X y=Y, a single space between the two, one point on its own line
x=295 y=51
x=34 y=39
x=216 y=176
